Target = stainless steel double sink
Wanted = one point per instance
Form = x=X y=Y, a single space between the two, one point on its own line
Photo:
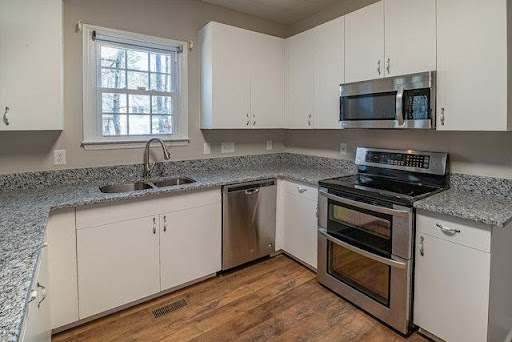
x=143 y=185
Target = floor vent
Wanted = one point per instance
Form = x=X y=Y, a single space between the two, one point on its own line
x=171 y=307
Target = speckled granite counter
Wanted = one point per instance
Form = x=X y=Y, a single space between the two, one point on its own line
x=481 y=199
x=27 y=199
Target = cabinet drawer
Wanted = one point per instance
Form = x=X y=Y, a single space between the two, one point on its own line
x=99 y=214
x=470 y=234
x=302 y=190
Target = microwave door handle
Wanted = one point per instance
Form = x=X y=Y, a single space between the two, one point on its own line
x=399 y=106
x=362 y=205
x=378 y=258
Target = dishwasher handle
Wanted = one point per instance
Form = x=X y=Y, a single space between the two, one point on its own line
x=252 y=191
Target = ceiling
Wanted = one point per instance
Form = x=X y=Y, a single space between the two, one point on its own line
x=280 y=11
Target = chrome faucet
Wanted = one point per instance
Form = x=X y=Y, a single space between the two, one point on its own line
x=148 y=168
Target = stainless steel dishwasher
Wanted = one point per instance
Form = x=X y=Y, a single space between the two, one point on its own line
x=248 y=222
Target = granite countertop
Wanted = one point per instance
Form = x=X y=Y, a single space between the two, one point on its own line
x=483 y=208
x=24 y=215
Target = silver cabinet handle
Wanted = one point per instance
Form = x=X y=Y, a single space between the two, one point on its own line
x=309 y=119
x=388 y=64
x=254 y=119
x=442 y=116
x=252 y=191
x=165 y=223
x=301 y=190
x=422 y=250
x=6 y=118
x=33 y=295
x=399 y=105
x=248 y=119
x=378 y=66
x=154 y=225
x=450 y=231
x=43 y=291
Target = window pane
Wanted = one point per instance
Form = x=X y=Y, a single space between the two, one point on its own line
x=112 y=57
x=160 y=63
x=113 y=103
x=161 y=82
x=137 y=80
x=112 y=78
x=162 y=105
x=139 y=104
x=162 y=124
x=139 y=124
x=137 y=60
x=114 y=124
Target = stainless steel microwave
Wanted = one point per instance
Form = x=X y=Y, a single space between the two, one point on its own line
x=400 y=102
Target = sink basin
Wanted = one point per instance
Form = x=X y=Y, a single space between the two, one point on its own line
x=127 y=187
x=173 y=181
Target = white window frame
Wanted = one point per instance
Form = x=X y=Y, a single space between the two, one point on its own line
x=92 y=133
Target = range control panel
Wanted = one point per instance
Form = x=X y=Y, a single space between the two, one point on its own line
x=398 y=159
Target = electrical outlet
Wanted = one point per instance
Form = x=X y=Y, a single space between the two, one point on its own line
x=343 y=149
x=207 y=148
x=269 y=145
x=227 y=147
x=59 y=157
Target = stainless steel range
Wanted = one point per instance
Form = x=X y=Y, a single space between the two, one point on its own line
x=367 y=228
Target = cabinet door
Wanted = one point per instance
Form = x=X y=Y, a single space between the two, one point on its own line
x=118 y=263
x=231 y=77
x=471 y=65
x=267 y=81
x=300 y=81
x=328 y=71
x=300 y=229
x=451 y=295
x=364 y=43
x=31 y=64
x=36 y=324
x=410 y=36
x=190 y=244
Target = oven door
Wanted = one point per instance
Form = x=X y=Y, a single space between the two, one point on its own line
x=379 y=285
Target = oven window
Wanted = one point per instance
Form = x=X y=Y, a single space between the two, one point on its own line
x=363 y=228
x=362 y=273
x=381 y=106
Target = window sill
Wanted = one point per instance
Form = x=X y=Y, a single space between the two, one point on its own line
x=129 y=144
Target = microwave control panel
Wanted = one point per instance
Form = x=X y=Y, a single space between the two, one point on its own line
x=398 y=159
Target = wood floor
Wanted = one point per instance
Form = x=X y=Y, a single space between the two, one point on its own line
x=274 y=300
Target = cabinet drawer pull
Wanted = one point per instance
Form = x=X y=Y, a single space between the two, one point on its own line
x=301 y=190
x=422 y=250
x=378 y=66
x=43 y=291
x=165 y=223
x=442 y=117
x=154 y=225
x=6 y=119
x=388 y=65
x=450 y=231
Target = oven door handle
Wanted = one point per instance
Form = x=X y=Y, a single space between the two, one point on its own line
x=378 y=258
x=383 y=210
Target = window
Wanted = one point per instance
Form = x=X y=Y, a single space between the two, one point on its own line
x=134 y=88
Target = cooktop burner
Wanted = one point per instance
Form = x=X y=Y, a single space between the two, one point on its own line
x=397 y=176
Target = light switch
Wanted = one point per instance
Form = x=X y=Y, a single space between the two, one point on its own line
x=227 y=147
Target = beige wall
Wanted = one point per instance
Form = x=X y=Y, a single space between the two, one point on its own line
x=176 y=19
x=475 y=153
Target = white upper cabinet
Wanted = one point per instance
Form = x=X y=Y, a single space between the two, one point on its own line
x=299 y=113
x=242 y=78
x=31 y=65
x=328 y=72
x=267 y=81
x=225 y=77
x=364 y=43
x=472 y=65
x=410 y=36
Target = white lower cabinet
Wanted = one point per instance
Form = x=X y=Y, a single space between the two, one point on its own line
x=301 y=222
x=452 y=279
x=36 y=323
x=118 y=263
x=193 y=236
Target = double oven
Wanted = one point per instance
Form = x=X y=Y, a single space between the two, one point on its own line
x=366 y=233
x=365 y=254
